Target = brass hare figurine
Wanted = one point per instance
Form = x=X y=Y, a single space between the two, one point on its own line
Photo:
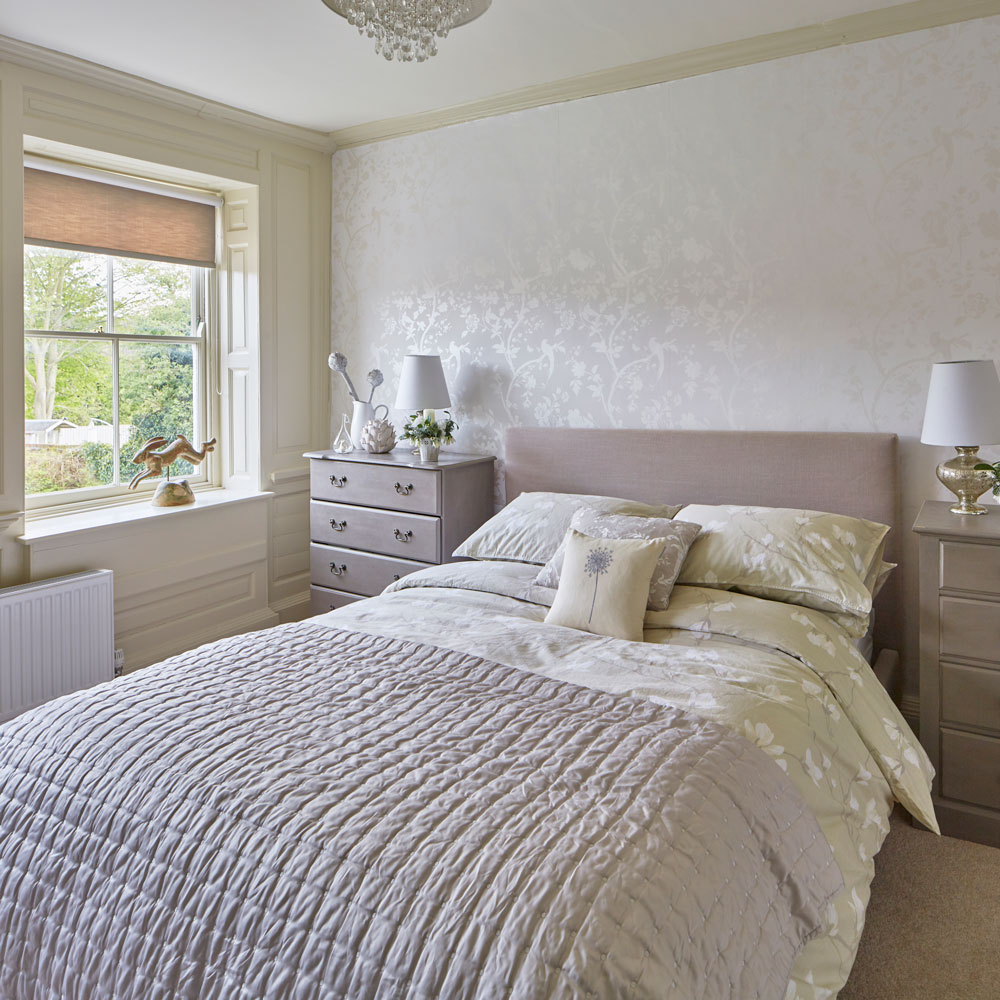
x=154 y=460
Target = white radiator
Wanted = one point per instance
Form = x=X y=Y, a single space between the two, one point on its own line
x=56 y=636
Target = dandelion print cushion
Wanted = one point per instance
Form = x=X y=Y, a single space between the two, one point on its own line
x=605 y=584
x=677 y=537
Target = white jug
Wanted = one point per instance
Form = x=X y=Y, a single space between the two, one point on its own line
x=363 y=412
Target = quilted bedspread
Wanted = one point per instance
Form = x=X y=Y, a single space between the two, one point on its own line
x=313 y=812
x=786 y=677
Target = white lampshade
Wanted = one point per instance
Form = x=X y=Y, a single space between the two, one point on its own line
x=421 y=384
x=963 y=404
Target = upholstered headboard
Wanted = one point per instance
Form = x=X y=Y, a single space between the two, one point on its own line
x=855 y=474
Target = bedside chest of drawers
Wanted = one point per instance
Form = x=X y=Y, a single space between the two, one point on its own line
x=960 y=666
x=375 y=518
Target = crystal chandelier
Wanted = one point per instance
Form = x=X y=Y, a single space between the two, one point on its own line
x=407 y=29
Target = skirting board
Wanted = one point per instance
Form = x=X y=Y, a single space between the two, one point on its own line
x=236 y=626
x=293 y=608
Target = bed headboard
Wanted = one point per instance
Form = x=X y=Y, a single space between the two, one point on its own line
x=855 y=474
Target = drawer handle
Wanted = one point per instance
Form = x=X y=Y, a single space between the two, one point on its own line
x=404 y=491
x=338 y=570
x=402 y=536
x=334 y=481
x=395 y=577
x=337 y=525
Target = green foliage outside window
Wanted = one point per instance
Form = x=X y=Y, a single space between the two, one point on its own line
x=72 y=379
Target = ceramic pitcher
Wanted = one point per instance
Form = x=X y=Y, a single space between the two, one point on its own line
x=363 y=412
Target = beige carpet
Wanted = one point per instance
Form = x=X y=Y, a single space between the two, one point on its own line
x=933 y=927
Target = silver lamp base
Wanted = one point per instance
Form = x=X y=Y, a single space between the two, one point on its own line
x=960 y=476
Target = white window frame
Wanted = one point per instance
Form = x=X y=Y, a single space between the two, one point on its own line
x=204 y=340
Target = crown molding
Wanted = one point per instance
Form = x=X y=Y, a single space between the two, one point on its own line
x=916 y=15
x=900 y=19
x=36 y=57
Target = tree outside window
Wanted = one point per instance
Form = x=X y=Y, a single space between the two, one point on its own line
x=114 y=354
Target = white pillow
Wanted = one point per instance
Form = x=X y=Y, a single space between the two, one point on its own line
x=605 y=585
x=677 y=537
x=530 y=528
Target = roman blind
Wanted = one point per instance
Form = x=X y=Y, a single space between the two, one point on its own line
x=81 y=209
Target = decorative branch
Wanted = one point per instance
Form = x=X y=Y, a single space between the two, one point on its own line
x=338 y=363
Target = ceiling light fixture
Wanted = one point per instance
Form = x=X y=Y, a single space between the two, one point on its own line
x=407 y=29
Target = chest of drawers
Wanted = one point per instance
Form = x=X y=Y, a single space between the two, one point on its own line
x=960 y=667
x=375 y=518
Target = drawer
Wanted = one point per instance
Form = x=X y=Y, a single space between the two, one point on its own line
x=324 y=599
x=970 y=629
x=356 y=572
x=970 y=768
x=389 y=532
x=970 y=567
x=970 y=696
x=416 y=490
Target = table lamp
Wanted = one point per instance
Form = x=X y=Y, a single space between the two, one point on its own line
x=422 y=385
x=963 y=405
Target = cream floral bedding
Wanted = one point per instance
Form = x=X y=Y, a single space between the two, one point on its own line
x=787 y=677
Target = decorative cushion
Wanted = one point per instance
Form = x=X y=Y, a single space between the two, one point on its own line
x=605 y=585
x=677 y=537
x=530 y=528
x=818 y=560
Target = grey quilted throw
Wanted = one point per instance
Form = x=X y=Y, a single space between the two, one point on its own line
x=310 y=813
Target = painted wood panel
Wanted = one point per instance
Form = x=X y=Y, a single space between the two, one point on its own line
x=166 y=592
x=324 y=599
x=293 y=315
x=389 y=532
x=354 y=572
x=970 y=567
x=399 y=488
x=163 y=137
x=236 y=563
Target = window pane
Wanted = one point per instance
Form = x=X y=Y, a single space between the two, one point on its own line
x=69 y=441
x=152 y=297
x=64 y=290
x=155 y=397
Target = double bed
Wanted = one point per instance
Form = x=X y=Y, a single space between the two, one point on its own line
x=435 y=793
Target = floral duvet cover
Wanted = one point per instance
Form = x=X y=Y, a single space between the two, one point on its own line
x=788 y=678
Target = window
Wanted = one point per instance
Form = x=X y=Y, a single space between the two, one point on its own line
x=114 y=354
x=116 y=344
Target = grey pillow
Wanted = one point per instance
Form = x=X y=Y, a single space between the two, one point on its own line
x=678 y=537
x=532 y=526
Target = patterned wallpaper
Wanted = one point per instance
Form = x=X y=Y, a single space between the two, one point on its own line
x=781 y=246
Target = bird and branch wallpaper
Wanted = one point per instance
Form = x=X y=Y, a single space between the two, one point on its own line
x=788 y=245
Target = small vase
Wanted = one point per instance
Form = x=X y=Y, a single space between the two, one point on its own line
x=429 y=451
x=342 y=444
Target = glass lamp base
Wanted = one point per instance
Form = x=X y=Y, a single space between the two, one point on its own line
x=965 y=481
x=972 y=508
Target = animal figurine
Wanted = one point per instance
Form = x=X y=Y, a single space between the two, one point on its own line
x=154 y=460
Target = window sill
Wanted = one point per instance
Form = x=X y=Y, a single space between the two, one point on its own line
x=50 y=524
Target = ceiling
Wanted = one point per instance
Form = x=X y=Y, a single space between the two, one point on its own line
x=298 y=62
